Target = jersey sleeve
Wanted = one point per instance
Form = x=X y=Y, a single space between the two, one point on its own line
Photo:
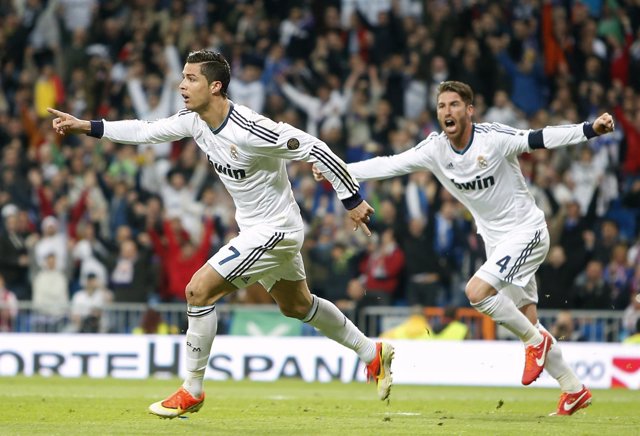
x=284 y=141
x=511 y=141
x=562 y=135
x=516 y=141
x=384 y=167
x=176 y=127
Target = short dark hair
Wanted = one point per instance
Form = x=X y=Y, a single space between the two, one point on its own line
x=213 y=66
x=460 y=88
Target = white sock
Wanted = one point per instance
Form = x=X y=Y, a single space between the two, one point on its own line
x=332 y=323
x=558 y=368
x=503 y=311
x=203 y=324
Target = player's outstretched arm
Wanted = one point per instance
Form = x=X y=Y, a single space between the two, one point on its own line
x=552 y=137
x=64 y=123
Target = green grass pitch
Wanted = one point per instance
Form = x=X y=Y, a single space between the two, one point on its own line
x=62 y=406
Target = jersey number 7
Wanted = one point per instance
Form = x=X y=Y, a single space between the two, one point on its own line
x=235 y=253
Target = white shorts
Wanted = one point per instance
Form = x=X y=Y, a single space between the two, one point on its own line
x=511 y=265
x=261 y=254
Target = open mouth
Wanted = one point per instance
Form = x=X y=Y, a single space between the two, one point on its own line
x=449 y=123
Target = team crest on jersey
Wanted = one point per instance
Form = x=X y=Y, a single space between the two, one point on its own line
x=482 y=162
x=233 y=150
x=293 y=144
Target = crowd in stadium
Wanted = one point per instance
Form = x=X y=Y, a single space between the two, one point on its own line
x=80 y=215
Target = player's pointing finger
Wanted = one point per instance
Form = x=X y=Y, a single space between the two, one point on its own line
x=365 y=229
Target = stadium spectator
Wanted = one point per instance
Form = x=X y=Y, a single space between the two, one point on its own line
x=448 y=231
x=14 y=257
x=572 y=230
x=88 y=304
x=502 y=111
x=133 y=276
x=83 y=254
x=366 y=95
x=618 y=275
x=606 y=240
x=179 y=194
x=48 y=90
x=426 y=273
x=590 y=290
x=77 y=14
x=380 y=272
x=556 y=277
x=331 y=262
x=50 y=297
x=152 y=95
x=563 y=328
x=585 y=175
x=54 y=241
x=153 y=324
x=324 y=109
x=180 y=256
x=526 y=76
x=270 y=222
x=8 y=307
x=449 y=156
x=340 y=271
x=248 y=89
x=557 y=41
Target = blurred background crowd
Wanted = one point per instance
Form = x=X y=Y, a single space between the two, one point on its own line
x=87 y=222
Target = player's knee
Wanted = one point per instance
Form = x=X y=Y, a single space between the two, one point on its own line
x=298 y=311
x=475 y=292
x=195 y=292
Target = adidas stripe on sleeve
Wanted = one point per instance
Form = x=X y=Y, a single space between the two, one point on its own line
x=284 y=141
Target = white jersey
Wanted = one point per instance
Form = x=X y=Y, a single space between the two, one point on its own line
x=485 y=176
x=248 y=152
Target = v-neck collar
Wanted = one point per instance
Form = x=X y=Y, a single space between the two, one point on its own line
x=464 y=150
x=224 y=123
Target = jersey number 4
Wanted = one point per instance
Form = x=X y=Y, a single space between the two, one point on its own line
x=502 y=263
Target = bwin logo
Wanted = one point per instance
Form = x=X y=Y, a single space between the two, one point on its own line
x=228 y=171
x=477 y=184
